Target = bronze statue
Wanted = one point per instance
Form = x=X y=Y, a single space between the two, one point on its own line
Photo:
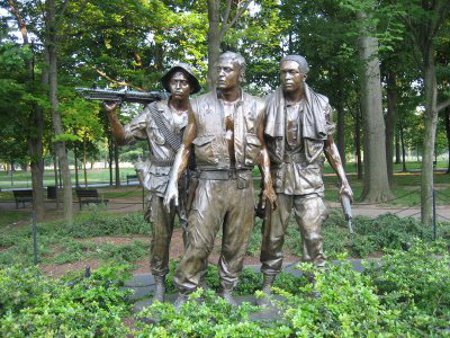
x=162 y=124
x=226 y=132
x=298 y=133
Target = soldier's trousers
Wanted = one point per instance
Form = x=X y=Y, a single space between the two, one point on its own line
x=162 y=229
x=309 y=212
x=217 y=203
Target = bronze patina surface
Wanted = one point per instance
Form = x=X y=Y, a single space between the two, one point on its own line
x=226 y=132
x=162 y=124
x=298 y=133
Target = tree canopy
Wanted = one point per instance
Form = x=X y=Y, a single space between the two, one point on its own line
x=129 y=43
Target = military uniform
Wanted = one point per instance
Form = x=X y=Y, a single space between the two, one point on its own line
x=155 y=177
x=224 y=197
x=295 y=136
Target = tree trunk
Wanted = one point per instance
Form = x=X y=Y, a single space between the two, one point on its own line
x=35 y=147
x=85 y=163
x=37 y=162
x=110 y=158
x=402 y=138
x=116 y=162
x=340 y=139
x=376 y=185
x=447 y=129
x=60 y=146
x=359 y=165
x=214 y=40
x=55 y=172
x=430 y=122
x=391 y=121
x=398 y=155
x=75 y=160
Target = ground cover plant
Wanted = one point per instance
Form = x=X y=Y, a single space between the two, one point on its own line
x=386 y=300
x=407 y=295
x=59 y=243
x=32 y=305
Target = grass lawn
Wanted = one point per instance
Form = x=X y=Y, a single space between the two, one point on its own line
x=21 y=179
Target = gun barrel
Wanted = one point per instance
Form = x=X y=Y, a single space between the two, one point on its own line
x=350 y=226
x=121 y=95
x=346 y=204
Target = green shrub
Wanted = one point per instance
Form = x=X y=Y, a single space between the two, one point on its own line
x=417 y=284
x=32 y=305
x=372 y=236
x=339 y=303
x=210 y=317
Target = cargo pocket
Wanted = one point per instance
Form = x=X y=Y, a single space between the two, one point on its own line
x=252 y=149
x=204 y=153
x=313 y=175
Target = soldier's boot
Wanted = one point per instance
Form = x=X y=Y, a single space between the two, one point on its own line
x=160 y=288
x=266 y=290
x=181 y=299
x=202 y=283
x=227 y=295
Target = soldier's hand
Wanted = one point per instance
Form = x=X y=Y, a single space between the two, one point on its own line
x=110 y=106
x=171 y=194
x=346 y=190
x=269 y=195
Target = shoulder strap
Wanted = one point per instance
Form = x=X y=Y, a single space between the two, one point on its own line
x=174 y=141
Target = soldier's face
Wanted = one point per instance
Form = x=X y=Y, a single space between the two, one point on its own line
x=291 y=77
x=180 y=87
x=229 y=74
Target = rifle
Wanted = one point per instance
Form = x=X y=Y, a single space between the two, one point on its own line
x=346 y=204
x=122 y=95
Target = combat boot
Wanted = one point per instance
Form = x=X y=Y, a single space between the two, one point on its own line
x=227 y=295
x=179 y=302
x=160 y=288
x=266 y=289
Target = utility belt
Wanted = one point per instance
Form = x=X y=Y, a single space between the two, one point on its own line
x=243 y=177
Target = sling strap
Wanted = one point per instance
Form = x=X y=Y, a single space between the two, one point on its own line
x=173 y=140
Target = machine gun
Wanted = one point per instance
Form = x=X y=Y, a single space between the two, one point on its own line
x=122 y=95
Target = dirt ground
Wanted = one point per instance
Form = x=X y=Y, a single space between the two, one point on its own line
x=143 y=266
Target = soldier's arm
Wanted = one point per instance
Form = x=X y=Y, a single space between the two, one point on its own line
x=117 y=128
x=264 y=167
x=181 y=160
x=333 y=157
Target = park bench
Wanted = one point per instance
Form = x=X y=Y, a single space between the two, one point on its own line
x=131 y=178
x=23 y=196
x=88 y=196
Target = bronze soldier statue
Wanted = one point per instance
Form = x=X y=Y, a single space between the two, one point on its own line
x=162 y=124
x=226 y=132
x=298 y=133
